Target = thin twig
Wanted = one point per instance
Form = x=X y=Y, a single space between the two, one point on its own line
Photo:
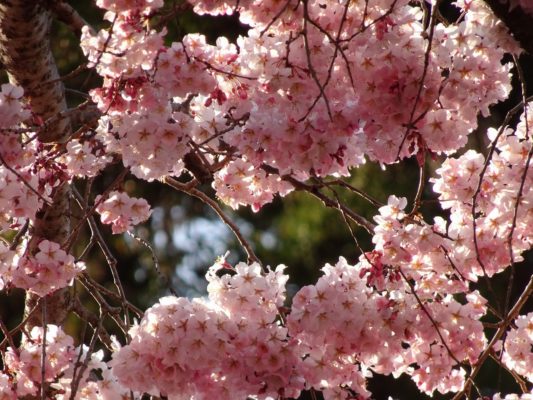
x=518 y=379
x=111 y=260
x=359 y=192
x=216 y=208
x=87 y=316
x=164 y=279
x=8 y=337
x=74 y=233
x=520 y=190
x=21 y=326
x=428 y=314
x=228 y=73
x=20 y=234
x=112 y=263
x=23 y=181
x=113 y=312
x=338 y=47
x=87 y=248
x=43 y=350
x=311 y=68
x=77 y=377
x=526 y=294
x=77 y=364
x=314 y=190
x=275 y=18
x=420 y=189
x=94 y=287
x=432 y=24
x=350 y=229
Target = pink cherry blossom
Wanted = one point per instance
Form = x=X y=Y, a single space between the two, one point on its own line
x=518 y=353
x=121 y=211
x=51 y=268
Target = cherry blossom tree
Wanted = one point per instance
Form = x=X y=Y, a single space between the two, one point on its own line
x=315 y=90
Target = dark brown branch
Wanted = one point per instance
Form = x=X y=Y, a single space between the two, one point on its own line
x=110 y=259
x=93 y=320
x=518 y=379
x=191 y=190
x=68 y=15
x=411 y=123
x=428 y=314
x=526 y=294
x=520 y=190
x=8 y=337
x=314 y=190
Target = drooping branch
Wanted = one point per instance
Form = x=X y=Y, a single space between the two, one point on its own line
x=314 y=190
x=191 y=190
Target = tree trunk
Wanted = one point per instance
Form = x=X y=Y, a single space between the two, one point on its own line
x=26 y=55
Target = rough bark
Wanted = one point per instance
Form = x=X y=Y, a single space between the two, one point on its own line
x=26 y=55
x=519 y=22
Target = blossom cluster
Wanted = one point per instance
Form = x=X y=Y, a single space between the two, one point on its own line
x=23 y=365
x=241 y=341
x=42 y=273
x=415 y=248
x=314 y=89
x=518 y=353
x=122 y=211
x=19 y=185
x=105 y=50
x=23 y=370
x=239 y=183
x=488 y=227
x=337 y=334
x=84 y=158
x=230 y=346
x=489 y=203
x=513 y=396
x=329 y=105
x=348 y=329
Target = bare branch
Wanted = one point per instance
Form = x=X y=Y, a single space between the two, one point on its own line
x=69 y=16
x=314 y=190
x=164 y=279
x=526 y=294
x=216 y=208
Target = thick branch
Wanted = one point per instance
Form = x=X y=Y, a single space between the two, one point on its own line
x=68 y=15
